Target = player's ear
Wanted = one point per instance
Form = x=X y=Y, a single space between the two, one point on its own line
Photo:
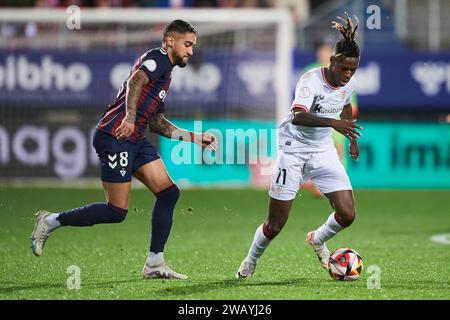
x=170 y=40
x=333 y=60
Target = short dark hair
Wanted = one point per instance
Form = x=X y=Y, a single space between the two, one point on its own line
x=347 y=46
x=178 y=26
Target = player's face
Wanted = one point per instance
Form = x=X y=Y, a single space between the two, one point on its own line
x=183 y=48
x=344 y=69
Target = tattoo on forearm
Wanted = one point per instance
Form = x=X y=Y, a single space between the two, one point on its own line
x=134 y=88
x=160 y=125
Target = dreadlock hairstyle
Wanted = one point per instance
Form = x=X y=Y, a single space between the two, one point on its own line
x=347 y=46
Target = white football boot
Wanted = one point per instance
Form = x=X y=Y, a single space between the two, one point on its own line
x=40 y=233
x=161 y=271
x=246 y=269
x=320 y=249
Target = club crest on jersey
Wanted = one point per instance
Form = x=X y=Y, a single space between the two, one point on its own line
x=162 y=95
x=150 y=65
x=122 y=172
x=304 y=92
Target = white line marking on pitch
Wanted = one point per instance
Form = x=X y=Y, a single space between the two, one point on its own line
x=441 y=238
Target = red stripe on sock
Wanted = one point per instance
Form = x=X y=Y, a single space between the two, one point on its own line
x=339 y=221
x=267 y=232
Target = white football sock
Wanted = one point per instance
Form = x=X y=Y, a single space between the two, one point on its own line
x=328 y=230
x=155 y=258
x=52 y=222
x=259 y=244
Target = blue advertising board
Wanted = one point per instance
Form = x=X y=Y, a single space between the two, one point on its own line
x=216 y=80
x=60 y=79
x=398 y=80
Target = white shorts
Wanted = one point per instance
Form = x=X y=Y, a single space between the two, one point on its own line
x=292 y=169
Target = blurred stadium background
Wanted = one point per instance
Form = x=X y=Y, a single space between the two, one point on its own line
x=55 y=82
x=58 y=73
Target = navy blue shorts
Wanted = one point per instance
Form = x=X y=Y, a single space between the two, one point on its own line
x=120 y=158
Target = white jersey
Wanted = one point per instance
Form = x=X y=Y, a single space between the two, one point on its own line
x=315 y=95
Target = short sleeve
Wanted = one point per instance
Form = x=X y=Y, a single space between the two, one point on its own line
x=305 y=91
x=348 y=98
x=154 y=66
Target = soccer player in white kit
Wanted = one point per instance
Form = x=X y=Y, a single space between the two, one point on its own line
x=307 y=151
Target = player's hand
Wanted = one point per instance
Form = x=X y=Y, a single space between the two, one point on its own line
x=205 y=140
x=125 y=130
x=354 y=149
x=347 y=128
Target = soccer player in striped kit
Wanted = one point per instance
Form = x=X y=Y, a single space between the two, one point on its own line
x=125 y=152
x=307 y=151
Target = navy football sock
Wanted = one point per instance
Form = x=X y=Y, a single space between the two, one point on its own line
x=162 y=217
x=91 y=214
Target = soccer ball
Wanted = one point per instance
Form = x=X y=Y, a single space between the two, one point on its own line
x=345 y=264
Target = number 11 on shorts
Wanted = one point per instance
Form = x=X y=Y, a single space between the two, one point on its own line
x=281 y=172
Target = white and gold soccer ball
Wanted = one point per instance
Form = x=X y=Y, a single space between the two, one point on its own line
x=345 y=264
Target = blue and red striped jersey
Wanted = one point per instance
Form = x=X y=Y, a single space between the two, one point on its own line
x=156 y=64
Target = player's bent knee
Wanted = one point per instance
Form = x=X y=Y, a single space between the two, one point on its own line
x=271 y=230
x=117 y=214
x=346 y=217
x=170 y=194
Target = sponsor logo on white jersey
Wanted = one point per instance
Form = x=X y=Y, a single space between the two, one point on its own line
x=319 y=109
x=304 y=92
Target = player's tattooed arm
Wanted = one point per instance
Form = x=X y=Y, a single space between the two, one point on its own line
x=160 y=125
x=134 y=88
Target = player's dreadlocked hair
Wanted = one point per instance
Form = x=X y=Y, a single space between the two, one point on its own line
x=179 y=26
x=347 y=46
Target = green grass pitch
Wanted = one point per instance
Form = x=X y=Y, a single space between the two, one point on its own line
x=211 y=234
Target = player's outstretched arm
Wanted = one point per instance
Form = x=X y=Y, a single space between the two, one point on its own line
x=347 y=112
x=134 y=88
x=160 y=125
x=344 y=126
x=354 y=149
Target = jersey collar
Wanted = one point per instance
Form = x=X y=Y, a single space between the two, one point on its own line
x=326 y=81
